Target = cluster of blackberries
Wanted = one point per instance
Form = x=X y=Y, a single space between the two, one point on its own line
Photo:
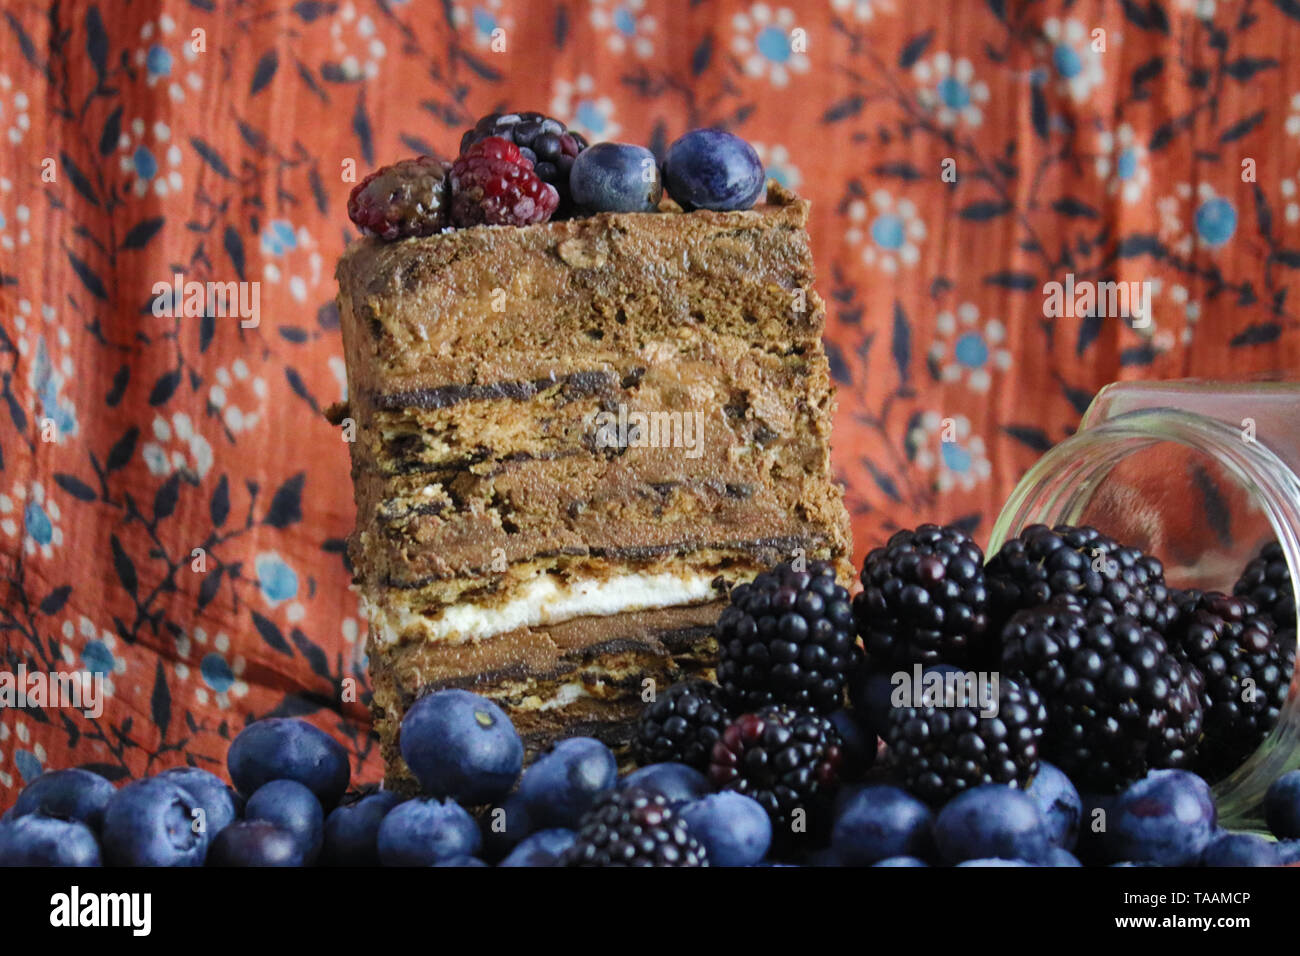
x=1134 y=675
x=1097 y=668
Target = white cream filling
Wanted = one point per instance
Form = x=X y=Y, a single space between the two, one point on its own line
x=543 y=600
x=566 y=695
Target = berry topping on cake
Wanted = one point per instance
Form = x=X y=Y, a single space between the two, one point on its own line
x=713 y=169
x=923 y=599
x=616 y=177
x=408 y=198
x=634 y=828
x=681 y=725
x=787 y=638
x=494 y=184
x=541 y=139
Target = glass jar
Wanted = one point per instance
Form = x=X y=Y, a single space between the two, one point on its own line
x=1202 y=475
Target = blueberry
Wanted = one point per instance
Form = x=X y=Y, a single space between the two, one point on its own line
x=991 y=821
x=565 y=782
x=1281 y=806
x=1167 y=818
x=857 y=747
x=462 y=746
x=900 y=861
x=543 y=848
x=219 y=803
x=1058 y=856
x=1059 y=803
x=994 y=861
x=285 y=748
x=1240 y=849
x=881 y=821
x=35 y=840
x=458 y=861
x=712 y=169
x=734 y=829
x=675 y=782
x=294 y=808
x=255 y=843
x=616 y=177
x=423 y=831
x=352 y=829
x=69 y=795
x=153 y=822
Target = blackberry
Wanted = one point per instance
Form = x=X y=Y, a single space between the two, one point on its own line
x=633 y=828
x=681 y=725
x=923 y=599
x=1041 y=563
x=1118 y=702
x=786 y=758
x=1267 y=582
x=407 y=198
x=787 y=638
x=542 y=139
x=946 y=746
x=1229 y=642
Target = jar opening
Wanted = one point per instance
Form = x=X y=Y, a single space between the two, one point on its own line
x=1200 y=496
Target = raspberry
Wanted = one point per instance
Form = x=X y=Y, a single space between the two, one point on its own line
x=408 y=198
x=541 y=139
x=493 y=184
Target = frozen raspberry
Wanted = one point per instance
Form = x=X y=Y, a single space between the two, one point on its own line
x=493 y=184
x=408 y=198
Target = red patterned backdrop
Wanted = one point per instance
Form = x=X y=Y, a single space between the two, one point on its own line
x=135 y=148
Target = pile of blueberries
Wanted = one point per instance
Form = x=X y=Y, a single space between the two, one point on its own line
x=289 y=807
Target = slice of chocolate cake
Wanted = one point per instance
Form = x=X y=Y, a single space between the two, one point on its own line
x=571 y=439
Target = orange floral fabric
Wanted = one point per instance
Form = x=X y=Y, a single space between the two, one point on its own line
x=172 y=502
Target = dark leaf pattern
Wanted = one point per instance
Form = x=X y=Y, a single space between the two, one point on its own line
x=959 y=159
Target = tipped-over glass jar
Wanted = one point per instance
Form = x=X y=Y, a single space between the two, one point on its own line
x=1202 y=475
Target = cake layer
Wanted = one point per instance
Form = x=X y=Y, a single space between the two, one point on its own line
x=642 y=501
x=700 y=525
x=694 y=406
x=541 y=598
x=472 y=311
x=548 y=589
x=590 y=675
